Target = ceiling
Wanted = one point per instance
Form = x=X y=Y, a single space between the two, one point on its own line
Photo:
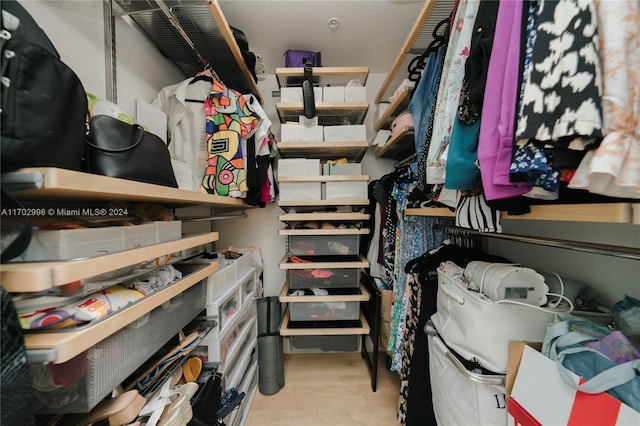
x=370 y=32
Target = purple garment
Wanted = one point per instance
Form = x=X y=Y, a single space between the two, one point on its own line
x=499 y=107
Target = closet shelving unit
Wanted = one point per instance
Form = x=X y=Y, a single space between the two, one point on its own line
x=326 y=210
x=193 y=34
x=420 y=36
x=328 y=113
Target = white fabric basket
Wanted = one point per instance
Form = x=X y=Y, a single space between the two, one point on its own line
x=479 y=329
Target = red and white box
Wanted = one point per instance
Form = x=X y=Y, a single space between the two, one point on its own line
x=540 y=397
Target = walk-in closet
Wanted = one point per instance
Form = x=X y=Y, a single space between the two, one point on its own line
x=320 y=212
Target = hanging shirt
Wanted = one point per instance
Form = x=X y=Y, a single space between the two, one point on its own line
x=612 y=168
x=184 y=105
x=229 y=122
x=449 y=92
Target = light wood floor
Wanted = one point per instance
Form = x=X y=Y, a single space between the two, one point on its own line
x=328 y=389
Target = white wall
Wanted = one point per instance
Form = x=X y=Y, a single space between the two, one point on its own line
x=76 y=28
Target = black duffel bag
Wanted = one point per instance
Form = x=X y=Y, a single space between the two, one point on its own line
x=44 y=105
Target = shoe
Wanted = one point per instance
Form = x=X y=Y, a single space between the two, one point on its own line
x=191 y=370
x=229 y=400
x=120 y=410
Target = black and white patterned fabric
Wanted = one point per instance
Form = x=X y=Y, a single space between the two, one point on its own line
x=561 y=98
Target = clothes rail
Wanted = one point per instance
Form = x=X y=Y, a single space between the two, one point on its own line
x=410 y=159
x=602 y=249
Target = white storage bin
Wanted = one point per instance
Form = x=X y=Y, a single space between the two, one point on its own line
x=333 y=94
x=381 y=108
x=323 y=311
x=322 y=245
x=139 y=235
x=221 y=279
x=300 y=191
x=355 y=94
x=301 y=133
x=168 y=230
x=294 y=94
x=353 y=132
x=342 y=169
x=74 y=243
x=346 y=190
x=226 y=307
x=298 y=167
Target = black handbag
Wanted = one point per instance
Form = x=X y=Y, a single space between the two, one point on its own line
x=122 y=150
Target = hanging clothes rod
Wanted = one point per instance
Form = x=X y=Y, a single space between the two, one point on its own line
x=602 y=249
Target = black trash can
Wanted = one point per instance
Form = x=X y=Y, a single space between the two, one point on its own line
x=270 y=346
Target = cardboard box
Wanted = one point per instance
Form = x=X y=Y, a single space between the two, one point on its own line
x=346 y=190
x=299 y=167
x=355 y=94
x=354 y=132
x=343 y=169
x=537 y=388
x=301 y=133
x=333 y=94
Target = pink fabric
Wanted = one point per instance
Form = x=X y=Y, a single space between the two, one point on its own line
x=499 y=107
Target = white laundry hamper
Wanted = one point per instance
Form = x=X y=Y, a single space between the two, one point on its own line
x=460 y=396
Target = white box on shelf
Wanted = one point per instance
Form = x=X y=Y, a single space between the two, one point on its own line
x=139 y=235
x=294 y=94
x=170 y=230
x=290 y=191
x=67 y=244
x=346 y=190
x=333 y=94
x=381 y=108
x=342 y=169
x=355 y=94
x=299 y=167
x=353 y=132
x=301 y=133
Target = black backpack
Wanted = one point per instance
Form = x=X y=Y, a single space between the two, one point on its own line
x=44 y=105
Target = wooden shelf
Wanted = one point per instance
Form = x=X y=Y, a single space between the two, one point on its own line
x=323 y=216
x=362 y=297
x=325 y=178
x=68 y=344
x=399 y=146
x=286 y=331
x=329 y=113
x=192 y=35
x=323 y=203
x=361 y=263
x=430 y=211
x=354 y=151
x=39 y=276
x=60 y=184
x=595 y=212
x=399 y=104
x=336 y=231
x=419 y=38
x=323 y=76
x=604 y=212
